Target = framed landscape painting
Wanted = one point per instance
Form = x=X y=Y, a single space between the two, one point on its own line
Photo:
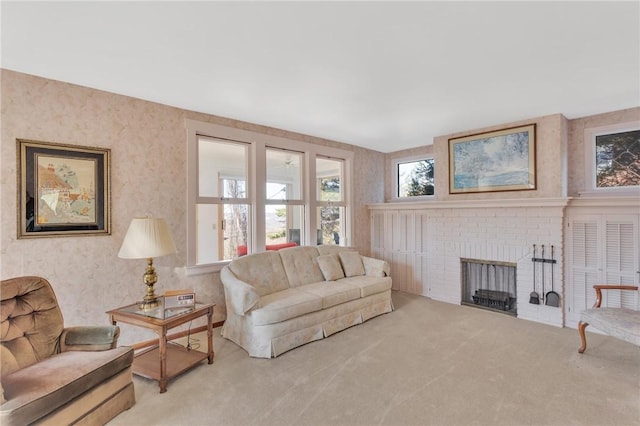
x=504 y=160
x=63 y=190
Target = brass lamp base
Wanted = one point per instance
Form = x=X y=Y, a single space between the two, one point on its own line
x=149 y=305
x=150 y=300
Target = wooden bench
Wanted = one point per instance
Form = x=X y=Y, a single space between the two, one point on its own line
x=621 y=323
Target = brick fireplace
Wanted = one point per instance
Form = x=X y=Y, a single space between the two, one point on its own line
x=425 y=242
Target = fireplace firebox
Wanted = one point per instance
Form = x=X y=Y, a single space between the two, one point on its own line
x=489 y=285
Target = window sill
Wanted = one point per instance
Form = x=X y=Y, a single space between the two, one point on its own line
x=191 y=271
x=610 y=192
x=412 y=199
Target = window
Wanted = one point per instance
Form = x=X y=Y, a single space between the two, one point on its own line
x=247 y=192
x=414 y=178
x=613 y=157
x=330 y=201
x=284 y=204
x=222 y=207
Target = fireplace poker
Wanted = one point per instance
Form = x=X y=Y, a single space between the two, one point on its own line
x=542 y=268
x=534 y=298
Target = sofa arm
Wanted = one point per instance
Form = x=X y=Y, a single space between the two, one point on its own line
x=96 y=338
x=376 y=267
x=239 y=295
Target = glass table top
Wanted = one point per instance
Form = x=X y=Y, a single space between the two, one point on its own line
x=160 y=312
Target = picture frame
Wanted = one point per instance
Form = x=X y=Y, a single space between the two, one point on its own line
x=502 y=160
x=63 y=190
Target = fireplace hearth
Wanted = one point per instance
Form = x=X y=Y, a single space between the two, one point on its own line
x=489 y=285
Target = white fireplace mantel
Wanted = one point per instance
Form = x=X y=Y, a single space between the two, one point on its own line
x=474 y=204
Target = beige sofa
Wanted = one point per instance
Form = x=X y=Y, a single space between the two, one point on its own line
x=279 y=300
x=56 y=375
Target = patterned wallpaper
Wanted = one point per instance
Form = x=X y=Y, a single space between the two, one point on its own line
x=576 y=151
x=560 y=156
x=148 y=175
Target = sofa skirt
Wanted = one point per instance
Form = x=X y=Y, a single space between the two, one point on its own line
x=271 y=340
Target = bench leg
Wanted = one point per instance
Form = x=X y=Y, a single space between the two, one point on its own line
x=581 y=328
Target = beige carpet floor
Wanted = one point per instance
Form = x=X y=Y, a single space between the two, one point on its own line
x=426 y=363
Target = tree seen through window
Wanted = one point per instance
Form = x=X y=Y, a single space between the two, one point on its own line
x=416 y=178
x=618 y=159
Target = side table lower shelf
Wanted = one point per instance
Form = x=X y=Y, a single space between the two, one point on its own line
x=179 y=360
x=165 y=360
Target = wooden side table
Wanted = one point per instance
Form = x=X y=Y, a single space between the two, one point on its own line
x=165 y=361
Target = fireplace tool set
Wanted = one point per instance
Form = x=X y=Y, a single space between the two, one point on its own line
x=551 y=298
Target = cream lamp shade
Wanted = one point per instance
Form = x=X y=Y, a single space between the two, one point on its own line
x=146 y=238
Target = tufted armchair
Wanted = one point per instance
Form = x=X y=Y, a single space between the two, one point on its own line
x=55 y=375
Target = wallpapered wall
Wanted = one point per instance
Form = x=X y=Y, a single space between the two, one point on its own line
x=576 y=154
x=148 y=175
x=550 y=148
x=560 y=156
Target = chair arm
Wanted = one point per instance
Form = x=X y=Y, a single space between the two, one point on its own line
x=239 y=296
x=376 y=267
x=89 y=338
x=600 y=287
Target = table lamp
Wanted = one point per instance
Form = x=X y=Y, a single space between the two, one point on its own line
x=146 y=238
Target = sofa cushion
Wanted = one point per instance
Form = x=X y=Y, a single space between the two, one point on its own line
x=333 y=292
x=284 y=305
x=264 y=271
x=301 y=265
x=330 y=266
x=332 y=249
x=368 y=285
x=41 y=388
x=351 y=263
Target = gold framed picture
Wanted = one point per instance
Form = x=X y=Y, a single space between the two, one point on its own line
x=503 y=160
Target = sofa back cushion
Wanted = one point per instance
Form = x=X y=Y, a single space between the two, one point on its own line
x=301 y=265
x=31 y=323
x=331 y=249
x=264 y=271
x=351 y=263
x=330 y=266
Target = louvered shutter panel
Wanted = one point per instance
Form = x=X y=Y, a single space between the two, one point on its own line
x=584 y=266
x=621 y=261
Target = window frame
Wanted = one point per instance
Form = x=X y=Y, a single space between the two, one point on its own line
x=590 y=134
x=256 y=185
x=395 y=164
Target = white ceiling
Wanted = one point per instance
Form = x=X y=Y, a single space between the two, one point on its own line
x=382 y=75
